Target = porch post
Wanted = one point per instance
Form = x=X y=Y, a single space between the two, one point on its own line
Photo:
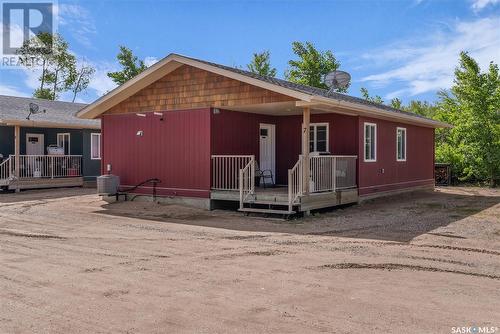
x=17 y=151
x=306 y=120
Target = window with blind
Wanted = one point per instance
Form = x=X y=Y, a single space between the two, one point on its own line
x=95 y=146
x=318 y=137
x=370 y=142
x=401 y=144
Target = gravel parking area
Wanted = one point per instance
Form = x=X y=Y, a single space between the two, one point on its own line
x=419 y=263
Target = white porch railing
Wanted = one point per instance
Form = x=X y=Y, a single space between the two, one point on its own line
x=47 y=166
x=332 y=172
x=295 y=183
x=247 y=181
x=225 y=170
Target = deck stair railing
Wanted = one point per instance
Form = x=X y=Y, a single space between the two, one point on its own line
x=47 y=166
x=295 y=183
x=5 y=170
x=225 y=170
x=247 y=181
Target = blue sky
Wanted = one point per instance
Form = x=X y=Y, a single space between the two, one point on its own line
x=405 y=49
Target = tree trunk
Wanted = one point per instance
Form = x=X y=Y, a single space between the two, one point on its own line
x=75 y=90
x=42 y=83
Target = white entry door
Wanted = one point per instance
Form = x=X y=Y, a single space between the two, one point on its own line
x=267 y=158
x=34 y=144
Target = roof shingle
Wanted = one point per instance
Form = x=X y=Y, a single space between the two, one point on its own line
x=13 y=108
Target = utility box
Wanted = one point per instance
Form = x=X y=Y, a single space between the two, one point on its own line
x=108 y=184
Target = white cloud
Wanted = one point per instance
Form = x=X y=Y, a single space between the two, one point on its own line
x=428 y=64
x=100 y=82
x=478 y=5
x=78 y=21
x=11 y=90
x=148 y=61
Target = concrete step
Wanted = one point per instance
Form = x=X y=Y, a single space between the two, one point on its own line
x=277 y=212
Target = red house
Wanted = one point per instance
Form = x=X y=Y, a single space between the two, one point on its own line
x=215 y=133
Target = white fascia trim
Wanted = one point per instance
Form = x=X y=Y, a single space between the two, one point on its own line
x=374 y=112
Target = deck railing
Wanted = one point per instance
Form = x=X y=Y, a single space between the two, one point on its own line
x=47 y=166
x=225 y=170
x=345 y=174
x=332 y=172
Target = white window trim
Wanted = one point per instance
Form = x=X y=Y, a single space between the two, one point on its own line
x=315 y=125
x=375 y=142
x=397 y=132
x=92 y=147
x=69 y=140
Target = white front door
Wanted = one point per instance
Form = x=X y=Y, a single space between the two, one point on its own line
x=267 y=158
x=34 y=144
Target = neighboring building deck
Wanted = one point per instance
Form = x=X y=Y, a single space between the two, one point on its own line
x=41 y=171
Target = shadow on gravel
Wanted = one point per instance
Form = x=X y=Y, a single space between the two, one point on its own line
x=8 y=197
x=402 y=218
x=399 y=218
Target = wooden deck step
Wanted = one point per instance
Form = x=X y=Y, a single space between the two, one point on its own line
x=267 y=202
x=277 y=212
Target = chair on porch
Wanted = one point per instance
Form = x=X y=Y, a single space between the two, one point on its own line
x=262 y=175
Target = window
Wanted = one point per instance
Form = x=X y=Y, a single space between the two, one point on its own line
x=64 y=141
x=401 y=144
x=318 y=137
x=370 y=142
x=95 y=146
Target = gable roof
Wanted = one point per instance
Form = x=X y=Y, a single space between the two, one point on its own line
x=14 y=110
x=307 y=94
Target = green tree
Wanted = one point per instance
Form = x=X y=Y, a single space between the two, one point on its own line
x=473 y=106
x=312 y=65
x=396 y=103
x=422 y=108
x=49 y=53
x=261 y=64
x=368 y=97
x=131 y=66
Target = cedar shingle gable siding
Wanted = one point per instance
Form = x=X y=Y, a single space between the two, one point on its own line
x=188 y=87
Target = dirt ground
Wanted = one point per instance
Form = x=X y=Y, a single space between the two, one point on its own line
x=421 y=263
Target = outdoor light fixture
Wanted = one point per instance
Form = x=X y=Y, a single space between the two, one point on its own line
x=141 y=115
x=140 y=133
x=159 y=114
x=216 y=111
x=108 y=168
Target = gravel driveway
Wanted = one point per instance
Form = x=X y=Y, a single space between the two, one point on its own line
x=421 y=263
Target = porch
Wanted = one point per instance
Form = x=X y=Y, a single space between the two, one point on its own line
x=328 y=181
x=41 y=171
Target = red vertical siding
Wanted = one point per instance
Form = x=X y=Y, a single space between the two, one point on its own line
x=389 y=174
x=238 y=133
x=175 y=150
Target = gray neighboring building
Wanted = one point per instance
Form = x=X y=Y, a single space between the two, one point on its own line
x=78 y=142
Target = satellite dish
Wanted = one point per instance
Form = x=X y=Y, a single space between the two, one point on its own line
x=337 y=79
x=34 y=109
